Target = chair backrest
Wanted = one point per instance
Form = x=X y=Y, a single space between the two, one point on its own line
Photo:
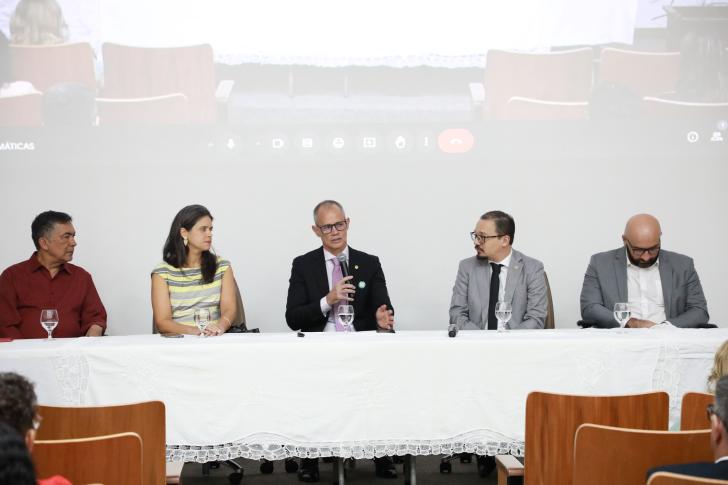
x=24 y=110
x=643 y=73
x=527 y=109
x=693 y=414
x=170 y=109
x=550 y=319
x=554 y=76
x=46 y=65
x=112 y=459
x=667 y=478
x=142 y=72
x=552 y=421
x=673 y=110
x=605 y=455
x=147 y=419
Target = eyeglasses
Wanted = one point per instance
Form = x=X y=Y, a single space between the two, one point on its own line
x=481 y=239
x=36 y=421
x=640 y=251
x=712 y=411
x=340 y=226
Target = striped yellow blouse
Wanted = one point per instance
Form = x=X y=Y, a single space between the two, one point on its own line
x=187 y=292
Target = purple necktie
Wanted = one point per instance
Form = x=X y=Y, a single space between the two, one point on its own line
x=336 y=276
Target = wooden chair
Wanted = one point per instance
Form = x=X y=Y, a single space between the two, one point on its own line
x=643 y=73
x=142 y=72
x=667 y=109
x=112 y=460
x=666 y=478
x=147 y=419
x=564 y=76
x=605 y=455
x=527 y=109
x=47 y=65
x=693 y=414
x=170 y=109
x=552 y=420
x=25 y=110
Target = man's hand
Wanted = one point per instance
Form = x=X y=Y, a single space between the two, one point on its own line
x=639 y=323
x=95 y=331
x=341 y=291
x=385 y=318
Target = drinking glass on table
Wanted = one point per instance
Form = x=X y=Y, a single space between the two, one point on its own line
x=345 y=315
x=503 y=312
x=622 y=313
x=202 y=319
x=49 y=320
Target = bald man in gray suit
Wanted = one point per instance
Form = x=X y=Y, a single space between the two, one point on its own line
x=520 y=280
x=658 y=286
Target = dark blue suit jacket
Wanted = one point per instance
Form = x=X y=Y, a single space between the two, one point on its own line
x=704 y=469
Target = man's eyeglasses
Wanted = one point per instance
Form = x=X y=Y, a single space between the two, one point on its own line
x=712 y=411
x=481 y=239
x=327 y=228
x=640 y=251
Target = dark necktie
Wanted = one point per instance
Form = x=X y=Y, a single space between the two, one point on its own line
x=494 y=290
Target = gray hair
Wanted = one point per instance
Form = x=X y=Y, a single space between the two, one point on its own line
x=721 y=398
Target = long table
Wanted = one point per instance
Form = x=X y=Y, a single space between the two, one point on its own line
x=358 y=395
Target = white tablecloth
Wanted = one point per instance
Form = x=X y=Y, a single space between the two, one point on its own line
x=366 y=394
x=331 y=33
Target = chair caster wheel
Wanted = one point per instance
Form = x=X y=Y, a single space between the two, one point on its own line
x=235 y=478
x=291 y=466
x=266 y=468
x=445 y=468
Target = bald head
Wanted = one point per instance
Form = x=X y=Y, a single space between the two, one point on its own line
x=643 y=230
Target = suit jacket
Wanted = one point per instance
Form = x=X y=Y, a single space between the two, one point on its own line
x=525 y=289
x=605 y=283
x=309 y=283
x=704 y=469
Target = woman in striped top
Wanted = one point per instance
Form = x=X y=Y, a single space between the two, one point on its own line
x=192 y=277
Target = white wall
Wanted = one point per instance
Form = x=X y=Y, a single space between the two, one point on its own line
x=416 y=216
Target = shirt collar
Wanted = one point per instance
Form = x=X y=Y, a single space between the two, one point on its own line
x=328 y=255
x=35 y=265
x=722 y=458
x=630 y=265
x=506 y=262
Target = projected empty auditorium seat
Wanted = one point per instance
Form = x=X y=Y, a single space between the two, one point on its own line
x=143 y=72
x=46 y=65
x=643 y=73
x=24 y=110
x=519 y=108
x=667 y=109
x=564 y=76
x=170 y=109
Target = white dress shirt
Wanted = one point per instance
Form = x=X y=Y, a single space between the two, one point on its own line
x=644 y=292
x=329 y=260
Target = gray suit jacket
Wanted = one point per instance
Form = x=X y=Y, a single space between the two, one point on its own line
x=605 y=283
x=525 y=289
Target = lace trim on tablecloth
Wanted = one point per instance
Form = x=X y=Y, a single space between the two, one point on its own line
x=276 y=447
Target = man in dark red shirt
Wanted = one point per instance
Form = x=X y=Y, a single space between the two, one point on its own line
x=49 y=281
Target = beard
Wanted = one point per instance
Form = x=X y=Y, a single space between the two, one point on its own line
x=640 y=263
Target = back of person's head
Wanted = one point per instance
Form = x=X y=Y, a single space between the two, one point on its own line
x=16 y=467
x=721 y=398
x=43 y=224
x=38 y=22
x=18 y=402
x=720 y=366
x=69 y=105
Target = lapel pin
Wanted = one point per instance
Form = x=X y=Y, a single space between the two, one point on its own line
x=362 y=284
x=356 y=266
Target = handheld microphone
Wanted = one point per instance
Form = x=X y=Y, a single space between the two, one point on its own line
x=452 y=330
x=344 y=264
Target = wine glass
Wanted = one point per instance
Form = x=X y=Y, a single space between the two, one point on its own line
x=503 y=313
x=345 y=315
x=622 y=313
x=202 y=318
x=49 y=320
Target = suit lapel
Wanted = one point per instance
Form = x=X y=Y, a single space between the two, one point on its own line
x=482 y=277
x=322 y=279
x=620 y=272
x=666 y=283
x=514 y=274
